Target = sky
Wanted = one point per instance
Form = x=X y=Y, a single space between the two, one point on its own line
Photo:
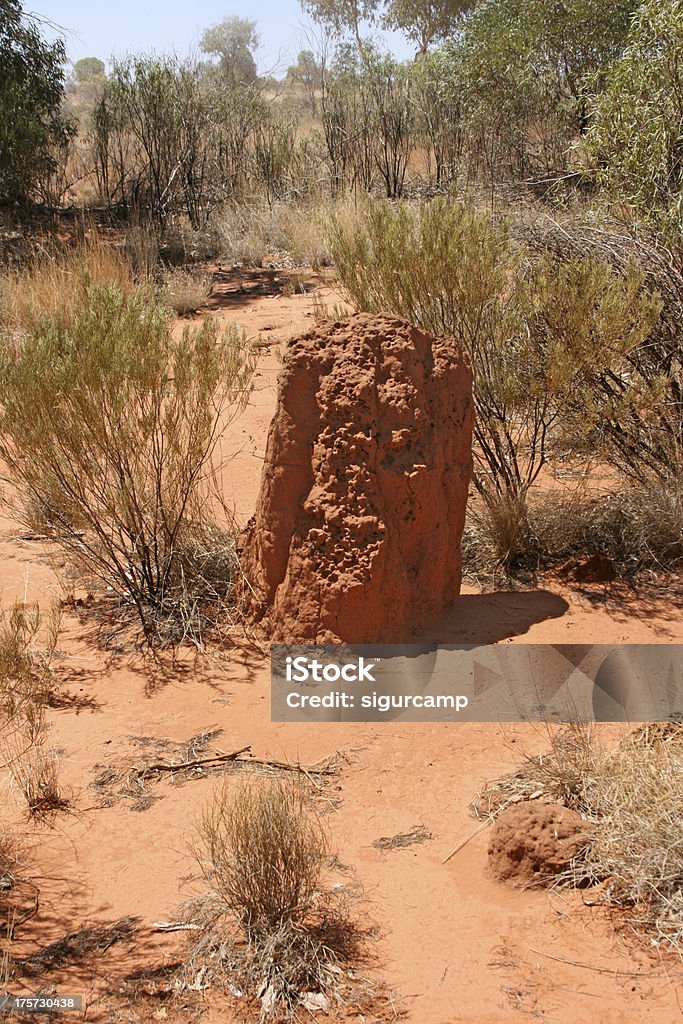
x=92 y=28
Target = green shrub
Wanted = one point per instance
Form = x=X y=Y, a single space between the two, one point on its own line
x=541 y=334
x=108 y=427
x=635 y=141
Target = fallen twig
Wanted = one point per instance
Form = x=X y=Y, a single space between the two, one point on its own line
x=174 y=926
x=220 y=758
x=600 y=970
x=180 y=766
x=469 y=838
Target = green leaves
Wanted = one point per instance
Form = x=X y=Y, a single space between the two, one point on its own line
x=635 y=143
x=108 y=425
x=545 y=339
x=31 y=92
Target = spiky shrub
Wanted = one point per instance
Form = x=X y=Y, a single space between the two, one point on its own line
x=267 y=850
x=269 y=926
x=542 y=335
x=108 y=426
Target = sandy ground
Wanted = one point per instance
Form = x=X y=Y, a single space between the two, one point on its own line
x=454 y=945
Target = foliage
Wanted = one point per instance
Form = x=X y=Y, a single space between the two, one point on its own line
x=640 y=428
x=635 y=143
x=440 y=101
x=424 y=22
x=233 y=41
x=541 y=335
x=54 y=283
x=32 y=128
x=528 y=69
x=341 y=17
x=369 y=122
x=169 y=138
x=307 y=72
x=87 y=69
x=108 y=426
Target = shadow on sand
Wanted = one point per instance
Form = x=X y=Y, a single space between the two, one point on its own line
x=490 y=618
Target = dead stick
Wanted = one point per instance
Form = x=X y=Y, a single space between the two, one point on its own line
x=489 y=821
x=466 y=841
x=283 y=766
x=163 y=766
x=221 y=758
x=599 y=970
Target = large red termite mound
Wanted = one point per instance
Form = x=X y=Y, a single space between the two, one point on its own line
x=357 y=530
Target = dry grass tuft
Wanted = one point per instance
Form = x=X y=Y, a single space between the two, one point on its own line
x=639 y=528
x=270 y=929
x=54 y=284
x=418 y=834
x=633 y=793
x=26 y=686
x=287 y=233
x=185 y=291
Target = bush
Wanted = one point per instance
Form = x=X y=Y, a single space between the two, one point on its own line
x=635 y=141
x=639 y=528
x=32 y=127
x=54 y=284
x=269 y=926
x=185 y=291
x=108 y=427
x=640 y=427
x=267 y=851
x=540 y=333
x=633 y=795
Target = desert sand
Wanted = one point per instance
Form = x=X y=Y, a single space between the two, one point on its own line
x=453 y=944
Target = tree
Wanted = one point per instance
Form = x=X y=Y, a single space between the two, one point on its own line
x=426 y=22
x=529 y=68
x=636 y=138
x=32 y=127
x=88 y=69
x=233 y=41
x=307 y=72
x=343 y=17
x=85 y=87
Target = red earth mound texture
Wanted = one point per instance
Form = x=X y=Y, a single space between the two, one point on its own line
x=357 y=530
x=532 y=842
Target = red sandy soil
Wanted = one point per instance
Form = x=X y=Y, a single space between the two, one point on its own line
x=454 y=944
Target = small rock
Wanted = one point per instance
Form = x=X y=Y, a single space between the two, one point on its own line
x=313 y=1001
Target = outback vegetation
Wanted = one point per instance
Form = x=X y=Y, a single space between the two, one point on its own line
x=536 y=217
x=517 y=185
x=270 y=923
